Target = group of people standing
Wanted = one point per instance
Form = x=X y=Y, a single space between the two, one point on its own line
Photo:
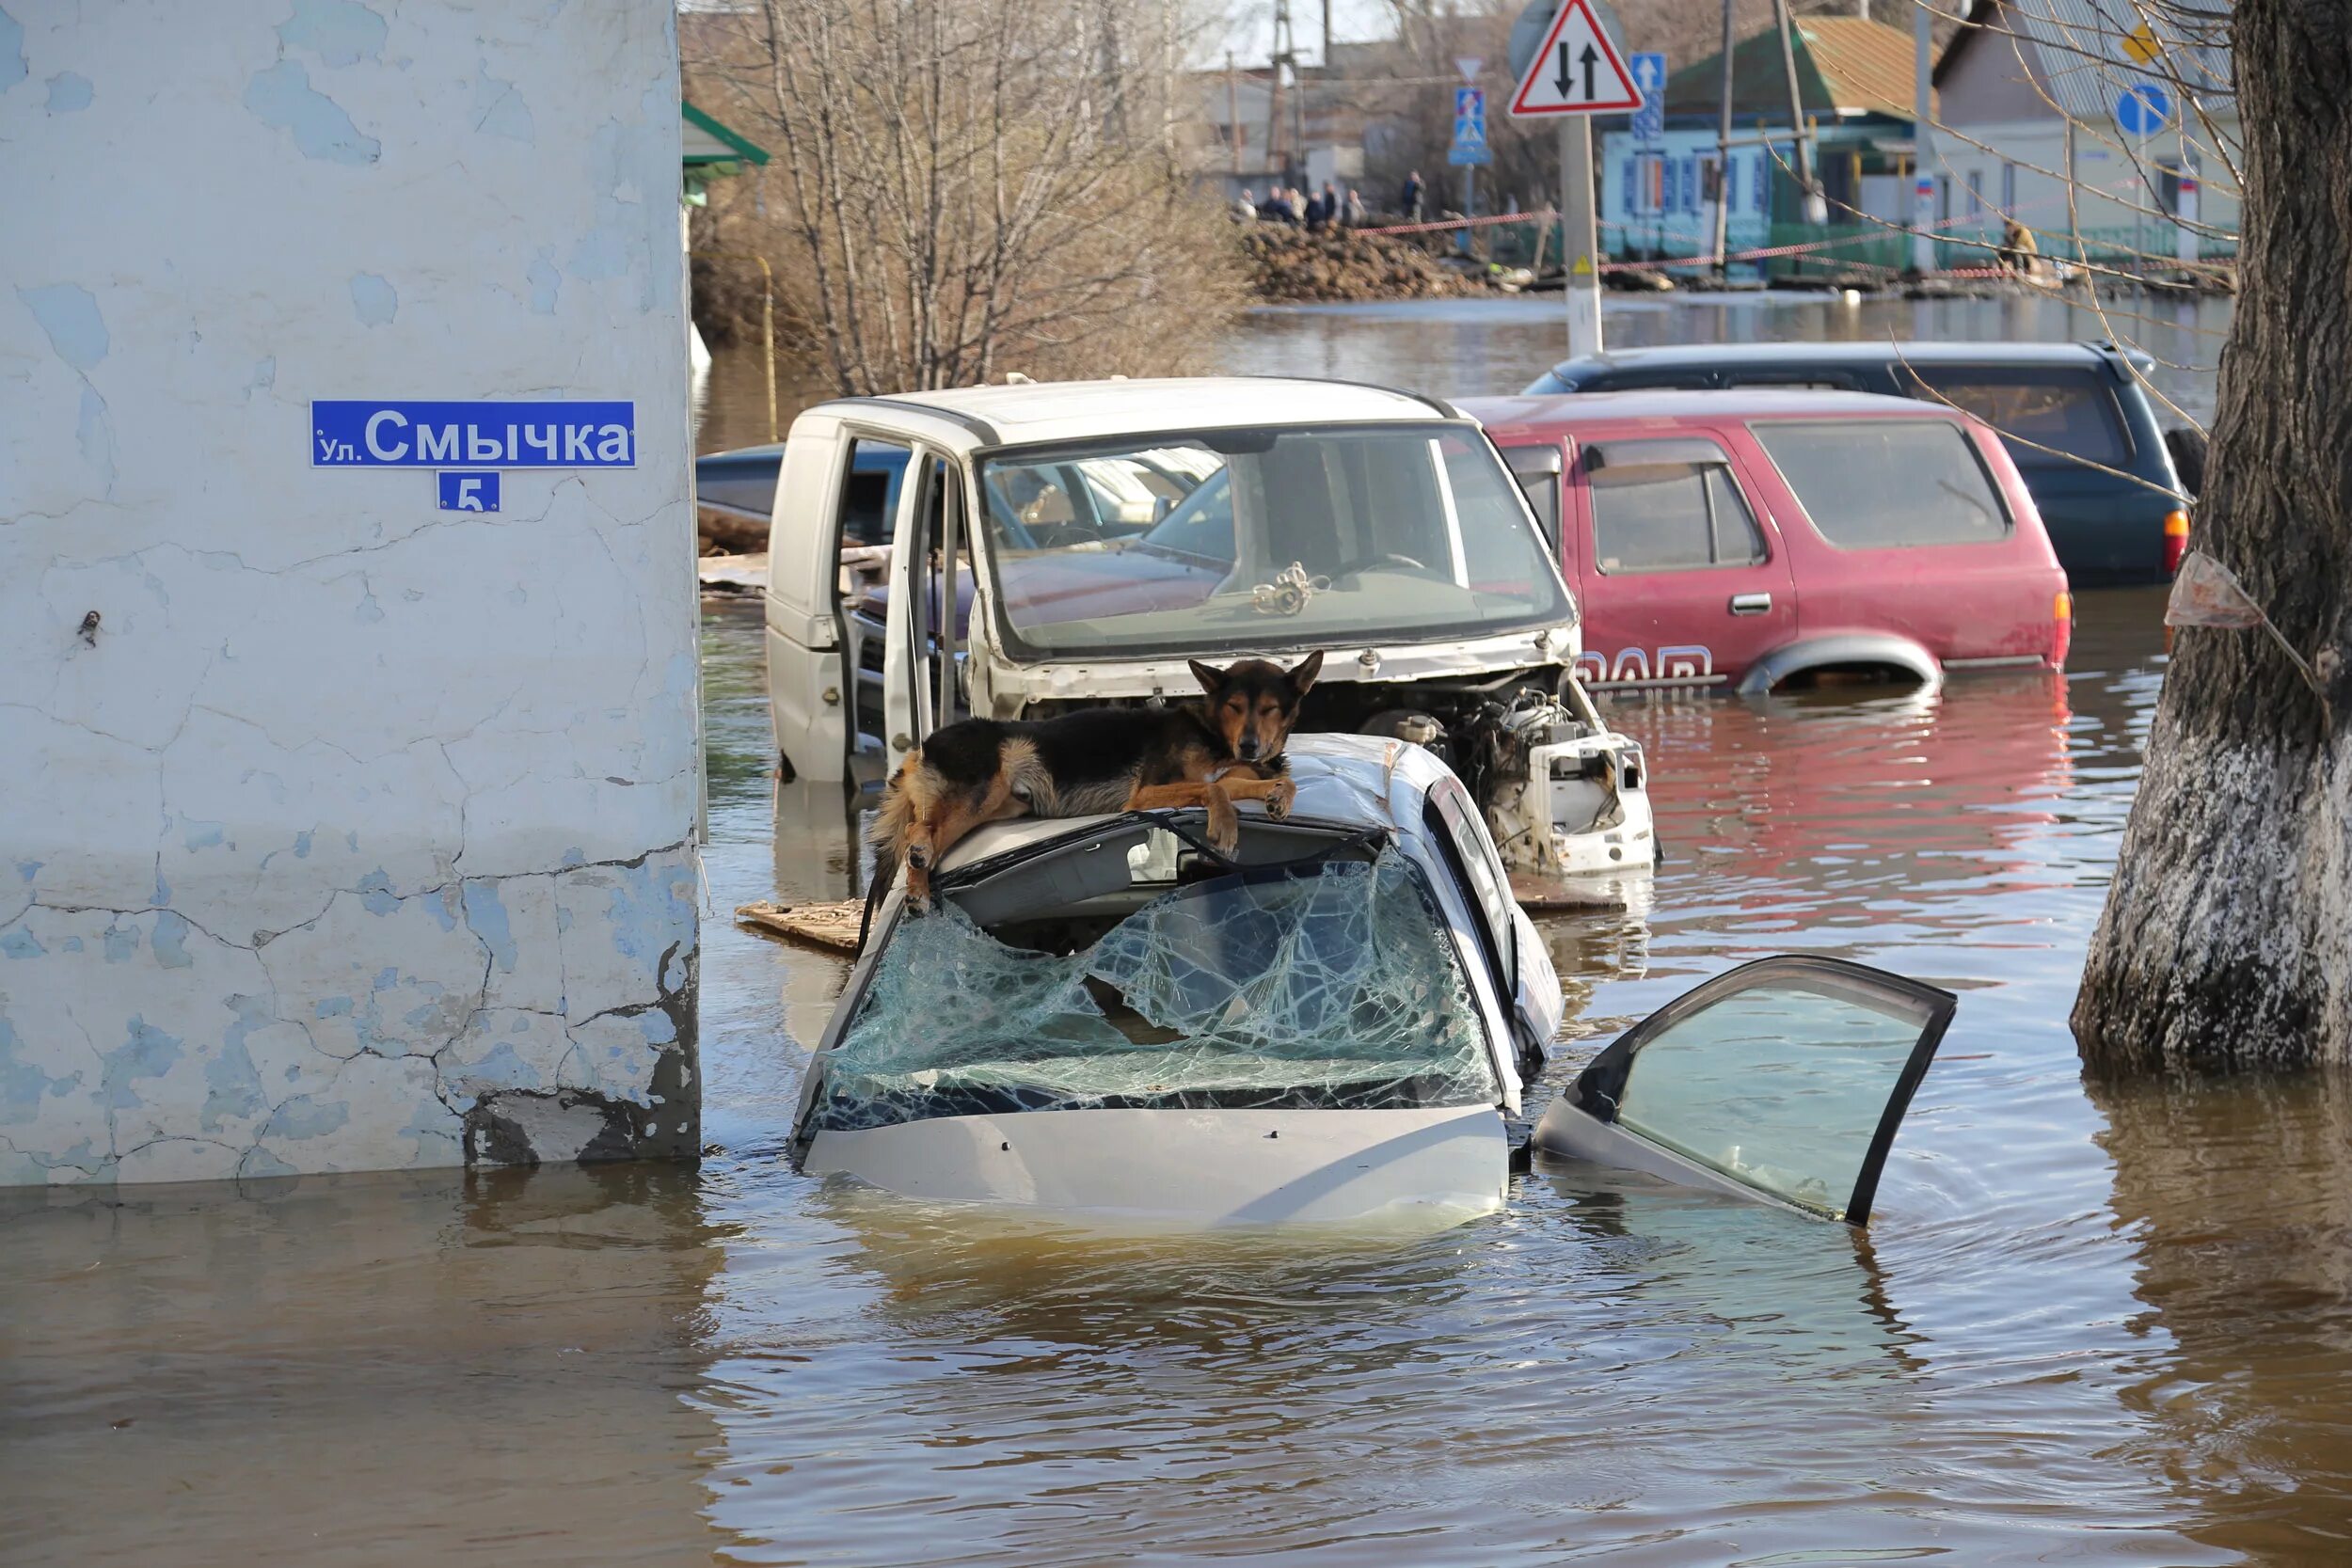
x=1325 y=209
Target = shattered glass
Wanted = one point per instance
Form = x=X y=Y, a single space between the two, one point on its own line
x=1333 y=987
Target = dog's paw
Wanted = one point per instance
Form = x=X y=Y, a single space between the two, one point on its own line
x=1224 y=829
x=1279 y=798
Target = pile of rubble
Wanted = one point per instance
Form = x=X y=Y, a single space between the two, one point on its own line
x=1292 y=266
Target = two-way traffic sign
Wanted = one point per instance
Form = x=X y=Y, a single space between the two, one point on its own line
x=1576 y=70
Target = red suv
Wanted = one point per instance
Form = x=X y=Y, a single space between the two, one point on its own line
x=1746 y=538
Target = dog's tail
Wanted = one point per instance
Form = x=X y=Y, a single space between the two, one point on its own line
x=888 y=834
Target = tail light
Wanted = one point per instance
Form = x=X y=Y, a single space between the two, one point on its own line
x=2175 y=540
x=2062 y=634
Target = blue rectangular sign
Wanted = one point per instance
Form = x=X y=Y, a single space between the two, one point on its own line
x=1648 y=68
x=1470 y=128
x=468 y=492
x=389 y=433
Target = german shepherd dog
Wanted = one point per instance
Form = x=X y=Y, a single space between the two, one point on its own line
x=1225 y=746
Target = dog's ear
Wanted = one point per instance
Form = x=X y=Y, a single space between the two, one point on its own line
x=1212 y=679
x=1302 y=675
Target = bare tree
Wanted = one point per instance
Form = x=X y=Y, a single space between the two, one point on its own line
x=971 y=186
x=2226 y=939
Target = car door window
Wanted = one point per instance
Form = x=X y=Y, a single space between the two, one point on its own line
x=2054 y=413
x=1789 y=1075
x=1668 y=506
x=1887 y=483
x=869 y=491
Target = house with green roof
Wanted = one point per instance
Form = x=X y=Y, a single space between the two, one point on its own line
x=1855 y=82
x=712 y=152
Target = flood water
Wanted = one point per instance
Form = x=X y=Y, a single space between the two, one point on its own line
x=1479 y=347
x=2088 y=1325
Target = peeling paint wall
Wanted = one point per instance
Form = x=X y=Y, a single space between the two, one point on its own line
x=335 y=832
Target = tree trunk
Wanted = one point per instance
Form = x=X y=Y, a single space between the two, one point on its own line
x=2226 y=940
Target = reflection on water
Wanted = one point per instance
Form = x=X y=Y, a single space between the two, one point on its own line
x=2091 y=1327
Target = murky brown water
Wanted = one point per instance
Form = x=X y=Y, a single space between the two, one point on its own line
x=2087 y=1325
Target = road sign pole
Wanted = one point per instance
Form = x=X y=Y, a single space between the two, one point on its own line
x=1575 y=71
x=1922 y=143
x=1579 y=246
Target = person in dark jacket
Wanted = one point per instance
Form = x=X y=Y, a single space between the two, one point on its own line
x=1410 y=204
x=1330 y=205
x=1316 y=213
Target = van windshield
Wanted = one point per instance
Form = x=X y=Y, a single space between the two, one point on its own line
x=1229 y=539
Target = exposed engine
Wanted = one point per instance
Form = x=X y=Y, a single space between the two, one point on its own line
x=1563 y=794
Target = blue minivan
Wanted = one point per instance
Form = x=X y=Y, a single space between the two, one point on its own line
x=2113 y=488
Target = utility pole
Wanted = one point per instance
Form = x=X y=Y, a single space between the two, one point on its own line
x=1816 y=209
x=1233 y=136
x=1722 y=161
x=1324 y=67
x=1285 y=54
x=1923 y=140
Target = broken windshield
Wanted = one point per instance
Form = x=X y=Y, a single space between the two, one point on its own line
x=1335 y=986
x=1230 y=539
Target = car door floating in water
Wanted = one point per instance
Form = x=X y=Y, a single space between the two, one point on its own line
x=1786 y=1078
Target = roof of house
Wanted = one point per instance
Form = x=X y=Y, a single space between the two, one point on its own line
x=703 y=140
x=1845 y=66
x=2085 y=53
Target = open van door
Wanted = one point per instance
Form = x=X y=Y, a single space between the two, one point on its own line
x=1786 y=1079
x=929 y=583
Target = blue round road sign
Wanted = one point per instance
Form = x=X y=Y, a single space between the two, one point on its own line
x=2142 y=109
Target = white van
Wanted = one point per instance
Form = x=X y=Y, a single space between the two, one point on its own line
x=1015 y=551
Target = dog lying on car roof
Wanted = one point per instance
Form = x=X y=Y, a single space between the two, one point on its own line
x=1225 y=747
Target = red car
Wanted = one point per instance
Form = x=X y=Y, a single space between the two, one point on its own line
x=1746 y=538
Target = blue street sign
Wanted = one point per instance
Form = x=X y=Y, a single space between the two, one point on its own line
x=2142 y=109
x=1649 y=74
x=468 y=492
x=390 y=433
x=1470 y=128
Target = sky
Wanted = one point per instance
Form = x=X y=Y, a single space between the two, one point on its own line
x=1250 y=36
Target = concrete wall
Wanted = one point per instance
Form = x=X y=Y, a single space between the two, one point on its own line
x=1987 y=77
x=353 y=834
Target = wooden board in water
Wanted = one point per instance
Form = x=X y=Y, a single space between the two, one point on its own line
x=831 y=926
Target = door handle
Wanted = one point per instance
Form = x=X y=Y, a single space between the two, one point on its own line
x=1751 y=604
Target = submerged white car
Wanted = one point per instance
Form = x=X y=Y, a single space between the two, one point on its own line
x=1107 y=1017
